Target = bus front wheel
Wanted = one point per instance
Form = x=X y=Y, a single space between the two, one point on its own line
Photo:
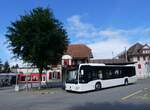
x=97 y=86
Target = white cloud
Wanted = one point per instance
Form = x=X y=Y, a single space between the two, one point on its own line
x=105 y=41
x=109 y=48
x=81 y=30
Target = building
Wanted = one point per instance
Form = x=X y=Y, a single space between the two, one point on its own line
x=31 y=74
x=140 y=54
x=76 y=54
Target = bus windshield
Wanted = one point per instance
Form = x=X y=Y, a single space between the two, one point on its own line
x=72 y=76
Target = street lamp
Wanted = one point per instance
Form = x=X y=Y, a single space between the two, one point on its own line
x=16 y=86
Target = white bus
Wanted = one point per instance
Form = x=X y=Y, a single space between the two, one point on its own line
x=96 y=76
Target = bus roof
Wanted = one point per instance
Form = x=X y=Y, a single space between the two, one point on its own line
x=93 y=64
x=101 y=64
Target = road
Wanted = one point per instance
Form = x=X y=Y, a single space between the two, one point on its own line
x=131 y=97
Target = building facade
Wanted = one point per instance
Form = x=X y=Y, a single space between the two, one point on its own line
x=31 y=74
x=77 y=54
x=140 y=54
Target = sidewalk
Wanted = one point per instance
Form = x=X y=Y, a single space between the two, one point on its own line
x=42 y=90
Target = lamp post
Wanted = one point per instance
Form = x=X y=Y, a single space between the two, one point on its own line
x=126 y=59
x=16 y=86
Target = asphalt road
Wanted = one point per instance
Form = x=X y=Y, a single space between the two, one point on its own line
x=131 y=97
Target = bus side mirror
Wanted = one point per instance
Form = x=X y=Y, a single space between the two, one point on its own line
x=82 y=72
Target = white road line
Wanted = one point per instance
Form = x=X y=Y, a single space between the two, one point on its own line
x=130 y=95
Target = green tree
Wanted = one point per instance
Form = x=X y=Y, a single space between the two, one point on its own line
x=38 y=38
x=6 y=67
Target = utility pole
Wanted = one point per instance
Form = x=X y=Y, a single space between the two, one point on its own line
x=17 y=78
x=113 y=59
x=126 y=59
x=112 y=55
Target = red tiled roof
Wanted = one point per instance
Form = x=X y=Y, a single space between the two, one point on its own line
x=79 y=51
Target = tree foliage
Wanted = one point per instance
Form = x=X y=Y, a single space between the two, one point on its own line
x=38 y=38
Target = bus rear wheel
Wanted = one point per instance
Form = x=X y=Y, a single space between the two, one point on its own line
x=97 y=86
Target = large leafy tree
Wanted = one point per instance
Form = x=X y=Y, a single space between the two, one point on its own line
x=38 y=38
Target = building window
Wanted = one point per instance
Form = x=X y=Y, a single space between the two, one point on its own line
x=138 y=58
x=34 y=78
x=22 y=78
x=43 y=78
x=28 y=78
x=144 y=58
x=139 y=66
x=58 y=75
x=50 y=77
x=66 y=62
x=54 y=75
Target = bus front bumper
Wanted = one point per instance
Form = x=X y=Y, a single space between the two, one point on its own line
x=73 y=87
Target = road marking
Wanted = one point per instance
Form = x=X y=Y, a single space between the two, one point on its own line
x=128 y=96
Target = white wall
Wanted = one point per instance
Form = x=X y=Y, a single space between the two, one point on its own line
x=27 y=70
x=141 y=73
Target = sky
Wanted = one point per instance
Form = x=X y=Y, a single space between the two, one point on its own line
x=106 y=26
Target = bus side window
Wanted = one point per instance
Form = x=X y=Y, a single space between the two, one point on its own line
x=130 y=72
x=107 y=75
x=116 y=73
x=100 y=74
x=94 y=75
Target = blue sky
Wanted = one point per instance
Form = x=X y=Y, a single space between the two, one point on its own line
x=106 y=26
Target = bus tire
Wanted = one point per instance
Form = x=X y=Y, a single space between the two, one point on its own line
x=97 y=86
x=126 y=82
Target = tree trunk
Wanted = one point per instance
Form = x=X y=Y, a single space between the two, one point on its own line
x=40 y=76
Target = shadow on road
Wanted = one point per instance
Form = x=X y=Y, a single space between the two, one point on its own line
x=111 y=106
x=121 y=86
